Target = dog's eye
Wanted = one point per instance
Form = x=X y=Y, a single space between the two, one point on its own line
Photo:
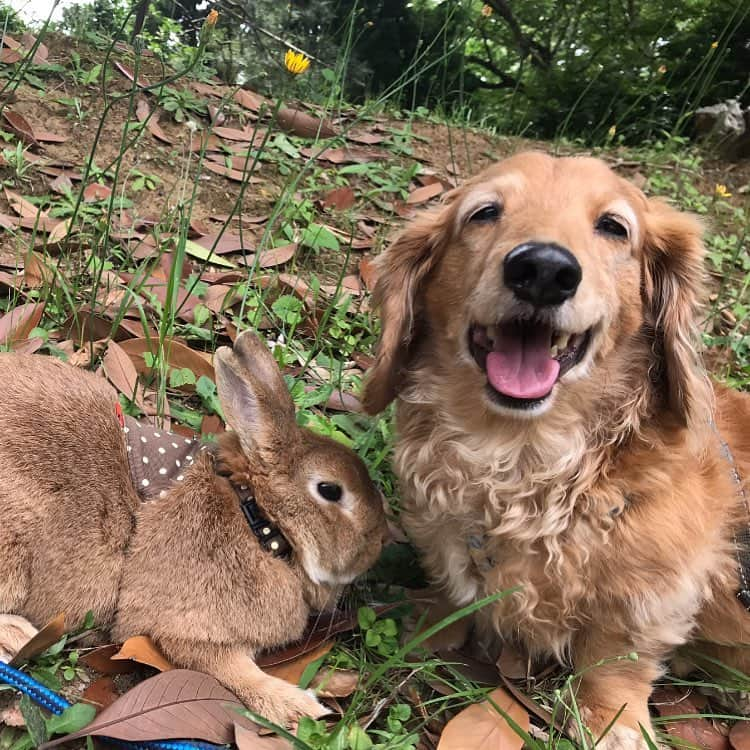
x=608 y=224
x=330 y=491
x=488 y=213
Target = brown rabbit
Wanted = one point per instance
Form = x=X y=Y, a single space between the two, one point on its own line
x=185 y=568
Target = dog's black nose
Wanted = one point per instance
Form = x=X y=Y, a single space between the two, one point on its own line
x=541 y=273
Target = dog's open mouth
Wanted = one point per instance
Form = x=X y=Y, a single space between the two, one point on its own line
x=523 y=359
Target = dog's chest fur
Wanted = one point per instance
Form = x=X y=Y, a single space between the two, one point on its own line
x=568 y=536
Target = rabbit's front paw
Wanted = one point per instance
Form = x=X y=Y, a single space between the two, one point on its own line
x=15 y=632
x=284 y=704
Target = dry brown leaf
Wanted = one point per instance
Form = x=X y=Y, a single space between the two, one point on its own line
x=178 y=355
x=59 y=232
x=204 y=142
x=142 y=649
x=351 y=155
x=10 y=56
x=100 y=659
x=233 y=134
x=249 y=99
x=250 y=739
x=121 y=372
x=343 y=401
x=36 y=273
x=298 y=287
x=335 y=683
x=232 y=174
x=369 y=271
x=96 y=192
x=339 y=198
x=87 y=354
x=275 y=256
x=219 y=297
x=17 y=324
x=143 y=113
x=293 y=670
x=482 y=727
x=739 y=736
x=171 y=705
x=227 y=243
x=9 y=222
x=46 y=637
x=62 y=184
x=21 y=206
x=45 y=136
x=211 y=425
x=424 y=193
x=512 y=663
x=11 y=715
x=28 y=41
x=142 y=82
x=305 y=126
x=85 y=327
x=671 y=701
x=367 y=139
x=29 y=346
x=101 y=693
x=21 y=127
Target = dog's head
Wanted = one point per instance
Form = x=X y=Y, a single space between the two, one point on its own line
x=528 y=281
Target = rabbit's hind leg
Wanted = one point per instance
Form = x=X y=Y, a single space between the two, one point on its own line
x=15 y=632
x=15 y=568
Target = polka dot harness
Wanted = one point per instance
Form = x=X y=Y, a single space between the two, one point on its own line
x=158 y=458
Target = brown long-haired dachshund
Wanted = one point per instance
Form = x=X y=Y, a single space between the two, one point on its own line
x=556 y=430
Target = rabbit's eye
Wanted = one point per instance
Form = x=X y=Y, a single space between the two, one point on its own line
x=330 y=491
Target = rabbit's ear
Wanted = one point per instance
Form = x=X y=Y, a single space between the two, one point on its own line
x=253 y=354
x=257 y=407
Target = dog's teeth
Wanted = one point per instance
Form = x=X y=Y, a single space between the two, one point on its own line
x=553 y=351
x=561 y=340
x=491 y=332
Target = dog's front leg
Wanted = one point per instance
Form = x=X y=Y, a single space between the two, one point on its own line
x=274 y=699
x=612 y=680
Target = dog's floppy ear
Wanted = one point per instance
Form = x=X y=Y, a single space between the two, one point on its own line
x=403 y=268
x=672 y=284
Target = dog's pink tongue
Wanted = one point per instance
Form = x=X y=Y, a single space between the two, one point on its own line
x=520 y=365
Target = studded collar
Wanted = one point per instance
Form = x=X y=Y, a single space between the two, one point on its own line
x=268 y=534
x=158 y=459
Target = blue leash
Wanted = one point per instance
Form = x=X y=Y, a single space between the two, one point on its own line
x=56 y=704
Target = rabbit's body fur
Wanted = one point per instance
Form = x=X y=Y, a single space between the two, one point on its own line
x=186 y=569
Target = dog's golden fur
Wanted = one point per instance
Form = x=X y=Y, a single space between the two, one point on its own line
x=611 y=505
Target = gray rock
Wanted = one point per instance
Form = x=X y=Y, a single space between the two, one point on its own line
x=725 y=129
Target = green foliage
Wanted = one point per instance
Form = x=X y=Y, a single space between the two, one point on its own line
x=10 y=21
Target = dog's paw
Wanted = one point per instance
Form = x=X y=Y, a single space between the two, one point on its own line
x=618 y=737
x=15 y=632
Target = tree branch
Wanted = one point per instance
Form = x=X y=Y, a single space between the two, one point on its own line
x=541 y=56
x=505 y=81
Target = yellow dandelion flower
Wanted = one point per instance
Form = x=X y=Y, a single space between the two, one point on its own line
x=486 y=11
x=296 y=62
x=714 y=45
x=611 y=132
x=212 y=18
x=721 y=191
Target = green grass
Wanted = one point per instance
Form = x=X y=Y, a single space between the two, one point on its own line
x=322 y=332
